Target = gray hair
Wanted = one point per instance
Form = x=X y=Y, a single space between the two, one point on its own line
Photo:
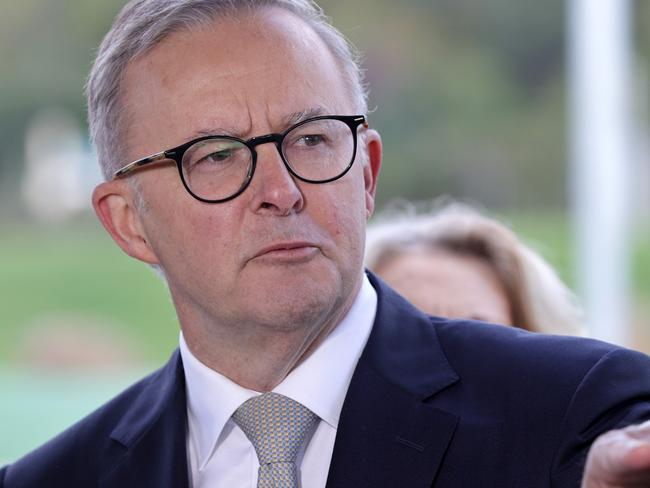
x=539 y=300
x=142 y=24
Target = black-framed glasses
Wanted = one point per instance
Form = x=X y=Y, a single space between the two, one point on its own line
x=218 y=168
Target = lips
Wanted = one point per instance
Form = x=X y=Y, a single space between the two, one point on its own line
x=293 y=250
x=285 y=246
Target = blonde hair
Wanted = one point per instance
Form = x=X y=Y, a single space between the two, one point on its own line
x=539 y=300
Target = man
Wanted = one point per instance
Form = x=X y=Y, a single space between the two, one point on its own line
x=256 y=217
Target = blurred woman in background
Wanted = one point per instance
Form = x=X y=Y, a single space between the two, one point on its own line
x=455 y=262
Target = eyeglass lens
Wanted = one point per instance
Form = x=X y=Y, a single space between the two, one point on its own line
x=218 y=168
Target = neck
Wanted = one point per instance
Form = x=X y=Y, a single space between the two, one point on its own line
x=258 y=357
x=258 y=362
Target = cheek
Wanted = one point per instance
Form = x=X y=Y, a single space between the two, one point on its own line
x=201 y=238
x=347 y=227
x=210 y=231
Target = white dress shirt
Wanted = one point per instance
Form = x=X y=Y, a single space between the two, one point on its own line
x=220 y=454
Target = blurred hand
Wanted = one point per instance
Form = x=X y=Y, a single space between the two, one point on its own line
x=620 y=459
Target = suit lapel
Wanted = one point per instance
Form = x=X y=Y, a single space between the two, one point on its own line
x=387 y=434
x=149 y=442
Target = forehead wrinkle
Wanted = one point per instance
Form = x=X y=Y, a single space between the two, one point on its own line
x=226 y=128
x=287 y=121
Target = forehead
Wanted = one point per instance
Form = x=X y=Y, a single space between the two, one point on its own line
x=231 y=75
x=445 y=283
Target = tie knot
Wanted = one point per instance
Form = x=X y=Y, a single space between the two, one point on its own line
x=276 y=425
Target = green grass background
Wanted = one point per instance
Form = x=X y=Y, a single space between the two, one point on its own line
x=77 y=269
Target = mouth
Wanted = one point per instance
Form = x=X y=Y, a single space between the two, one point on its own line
x=294 y=251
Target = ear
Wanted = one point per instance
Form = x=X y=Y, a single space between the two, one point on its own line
x=371 y=168
x=114 y=204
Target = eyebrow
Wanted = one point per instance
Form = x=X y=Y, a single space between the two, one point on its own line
x=289 y=120
x=297 y=117
x=211 y=132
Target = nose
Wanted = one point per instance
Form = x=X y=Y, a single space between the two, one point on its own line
x=274 y=190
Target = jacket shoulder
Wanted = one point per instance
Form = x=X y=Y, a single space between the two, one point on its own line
x=583 y=383
x=470 y=343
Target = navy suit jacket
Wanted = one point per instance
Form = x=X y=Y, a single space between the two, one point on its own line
x=432 y=402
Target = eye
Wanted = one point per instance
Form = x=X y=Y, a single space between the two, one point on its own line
x=308 y=141
x=311 y=140
x=217 y=156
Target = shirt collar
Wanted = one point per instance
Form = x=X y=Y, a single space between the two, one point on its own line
x=320 y=382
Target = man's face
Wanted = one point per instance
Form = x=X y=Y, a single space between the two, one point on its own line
x=285 y=253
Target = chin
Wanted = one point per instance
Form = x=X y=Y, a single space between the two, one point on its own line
x=303 y=303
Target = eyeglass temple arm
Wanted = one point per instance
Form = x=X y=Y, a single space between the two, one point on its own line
x=140 y=162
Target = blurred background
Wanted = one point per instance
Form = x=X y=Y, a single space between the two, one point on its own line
x=472 y=99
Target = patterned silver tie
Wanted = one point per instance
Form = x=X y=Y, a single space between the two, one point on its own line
x=277 y=427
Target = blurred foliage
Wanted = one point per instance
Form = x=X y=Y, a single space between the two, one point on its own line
x=469 y=97
x=46 y=50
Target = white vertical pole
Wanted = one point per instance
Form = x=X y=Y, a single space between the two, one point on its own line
x=600 y=84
